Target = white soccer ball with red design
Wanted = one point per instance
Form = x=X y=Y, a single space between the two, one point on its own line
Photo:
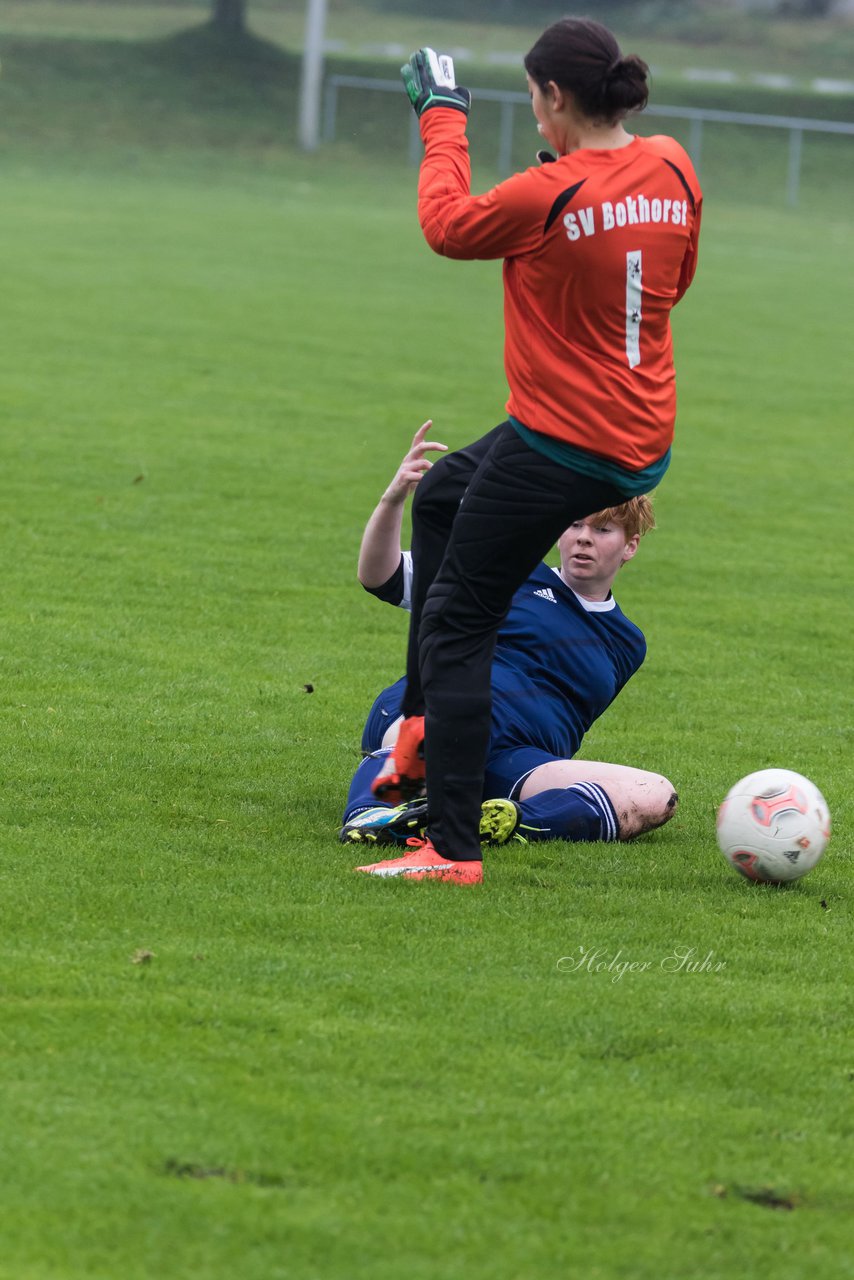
x=773 y=826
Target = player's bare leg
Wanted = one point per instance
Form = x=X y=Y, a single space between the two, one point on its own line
x=642 y=800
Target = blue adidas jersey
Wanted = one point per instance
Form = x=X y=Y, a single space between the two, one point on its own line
x=559 y=662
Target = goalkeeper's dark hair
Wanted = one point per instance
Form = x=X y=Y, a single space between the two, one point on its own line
x=582 y=56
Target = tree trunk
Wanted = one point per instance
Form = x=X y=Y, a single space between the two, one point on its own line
x=229 y=15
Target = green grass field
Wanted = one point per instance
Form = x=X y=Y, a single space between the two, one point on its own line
x=222 y=1053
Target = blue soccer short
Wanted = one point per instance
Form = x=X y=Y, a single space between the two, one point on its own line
x=506 y=768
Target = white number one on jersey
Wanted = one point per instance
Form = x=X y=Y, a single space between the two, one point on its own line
x=634 y=315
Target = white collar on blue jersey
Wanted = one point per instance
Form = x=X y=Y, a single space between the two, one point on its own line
x=592 y=606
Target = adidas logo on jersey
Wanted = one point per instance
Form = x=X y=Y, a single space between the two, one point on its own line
x=546 y=593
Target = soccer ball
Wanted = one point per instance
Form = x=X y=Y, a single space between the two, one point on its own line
x=773 y=826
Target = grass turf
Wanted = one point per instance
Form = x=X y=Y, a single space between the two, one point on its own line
x=223 y=1052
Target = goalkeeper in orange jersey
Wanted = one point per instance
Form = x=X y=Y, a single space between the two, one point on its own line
x=598 y=247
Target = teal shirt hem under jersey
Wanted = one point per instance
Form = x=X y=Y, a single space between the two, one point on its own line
x=631 y=483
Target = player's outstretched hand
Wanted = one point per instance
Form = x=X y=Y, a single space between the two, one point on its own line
x=413 y=466
x=428 y=78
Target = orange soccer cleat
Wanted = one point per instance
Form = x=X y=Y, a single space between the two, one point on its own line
x=424 y=863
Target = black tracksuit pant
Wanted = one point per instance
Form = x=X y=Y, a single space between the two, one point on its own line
x=483 y=518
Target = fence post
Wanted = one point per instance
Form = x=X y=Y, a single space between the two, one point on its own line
x=311 y=83
x=505 y=140
x=793 y=182
x=695 y=142
x=415 y=147
x=330 y=110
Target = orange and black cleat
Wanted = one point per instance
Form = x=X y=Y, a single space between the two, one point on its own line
x=403 y=775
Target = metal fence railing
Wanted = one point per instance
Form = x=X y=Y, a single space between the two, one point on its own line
x=509 y=101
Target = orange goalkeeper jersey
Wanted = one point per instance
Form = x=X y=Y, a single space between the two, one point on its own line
x=597 y=249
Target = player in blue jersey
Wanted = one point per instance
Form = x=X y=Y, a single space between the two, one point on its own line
x=564 y=652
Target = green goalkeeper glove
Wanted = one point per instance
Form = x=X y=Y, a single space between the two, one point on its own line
x=428 y=78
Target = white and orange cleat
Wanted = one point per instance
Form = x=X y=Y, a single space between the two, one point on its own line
x=424 y=863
